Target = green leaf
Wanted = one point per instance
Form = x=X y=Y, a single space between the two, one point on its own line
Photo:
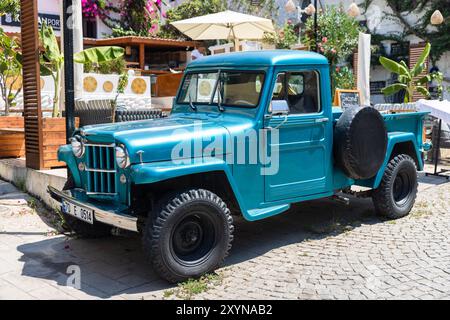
x=424 y=80
x=393 y=66
x=99 y=54
x=423 y=91
x=3 y=67
x=417 y=69
x=50 y=43
x=45 y=71
x=403 y=63
x=419 y=66
x=393 y=88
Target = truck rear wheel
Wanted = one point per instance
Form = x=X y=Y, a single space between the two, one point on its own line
x=191 y=235
x=84 y=229
x=395 y=196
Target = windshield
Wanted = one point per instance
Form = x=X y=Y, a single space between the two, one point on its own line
x=235 y=88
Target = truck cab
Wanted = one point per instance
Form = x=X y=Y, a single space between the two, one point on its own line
x=249 y=134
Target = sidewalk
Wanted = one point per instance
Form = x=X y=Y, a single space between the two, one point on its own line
x=319 y=250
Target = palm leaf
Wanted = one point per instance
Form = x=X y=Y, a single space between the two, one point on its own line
x=393 y=88
x=423 y=91
x=419 y=66
x=393 y=66
x=424 y=80
x=99 y=55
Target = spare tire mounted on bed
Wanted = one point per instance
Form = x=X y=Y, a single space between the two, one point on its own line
x=360 y=142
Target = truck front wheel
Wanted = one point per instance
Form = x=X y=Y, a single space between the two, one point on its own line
x=395 y=196
x=191 y=235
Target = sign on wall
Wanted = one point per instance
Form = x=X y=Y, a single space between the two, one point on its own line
x=51 y=19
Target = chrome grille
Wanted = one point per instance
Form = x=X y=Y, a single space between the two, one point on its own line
x=100 y=169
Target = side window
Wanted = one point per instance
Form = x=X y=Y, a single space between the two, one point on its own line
x=300 y=90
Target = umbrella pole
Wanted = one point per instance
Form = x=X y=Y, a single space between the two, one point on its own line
x=236 y=45
x=236 y=40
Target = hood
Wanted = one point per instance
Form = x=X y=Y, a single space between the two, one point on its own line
x=184 y=136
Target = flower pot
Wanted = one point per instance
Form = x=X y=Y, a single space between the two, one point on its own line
x=12 y=137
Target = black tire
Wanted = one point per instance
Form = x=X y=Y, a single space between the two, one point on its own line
x=83 y=229
x=191 y=235
x=395 y=196
x=360 y=142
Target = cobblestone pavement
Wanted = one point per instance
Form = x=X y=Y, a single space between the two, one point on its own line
x=319 y=250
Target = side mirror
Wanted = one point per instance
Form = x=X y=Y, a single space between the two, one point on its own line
x=279 y=108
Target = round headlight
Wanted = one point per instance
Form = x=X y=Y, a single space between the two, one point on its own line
x=122 y=158
x=77 y=147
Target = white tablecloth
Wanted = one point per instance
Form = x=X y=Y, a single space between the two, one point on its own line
x=438 y=109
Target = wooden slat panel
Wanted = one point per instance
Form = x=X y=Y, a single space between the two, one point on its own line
x=31 y=88
x=414 y=53
x=355 y=68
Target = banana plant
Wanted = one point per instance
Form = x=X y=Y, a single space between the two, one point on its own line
x=407 y=78
x=51 y=61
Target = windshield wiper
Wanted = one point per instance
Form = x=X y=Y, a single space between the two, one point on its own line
x=191 y=104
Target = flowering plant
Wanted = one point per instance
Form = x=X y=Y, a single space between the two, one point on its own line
x=337 y=34
x=101 y=9
x=137 y=17
x=342 y=78
x=141 y=16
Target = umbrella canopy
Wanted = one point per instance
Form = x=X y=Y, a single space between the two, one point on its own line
x=225 y=25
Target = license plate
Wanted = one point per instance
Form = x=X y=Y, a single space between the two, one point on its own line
x=81 y=213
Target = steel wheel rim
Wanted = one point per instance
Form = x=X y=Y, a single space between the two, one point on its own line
x=402 y=188
x=193 y=239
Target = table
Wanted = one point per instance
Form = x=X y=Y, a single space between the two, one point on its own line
x=440 y=110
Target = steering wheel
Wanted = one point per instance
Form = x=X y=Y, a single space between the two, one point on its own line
x=243 y=102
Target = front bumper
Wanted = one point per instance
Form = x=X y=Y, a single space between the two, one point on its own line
x=106 y=216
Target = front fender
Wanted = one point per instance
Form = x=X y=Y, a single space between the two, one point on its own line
x=147 y=173
x=394 y=138
x=65 y=154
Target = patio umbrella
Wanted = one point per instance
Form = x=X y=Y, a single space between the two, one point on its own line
x=225 y=25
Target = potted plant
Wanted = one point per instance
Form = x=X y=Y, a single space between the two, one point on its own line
x=408 y=80
x=99 y=58
x=11 y=139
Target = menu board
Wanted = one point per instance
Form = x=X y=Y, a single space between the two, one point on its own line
x=347 y=98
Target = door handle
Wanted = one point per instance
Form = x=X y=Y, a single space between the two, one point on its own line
x=321 y=120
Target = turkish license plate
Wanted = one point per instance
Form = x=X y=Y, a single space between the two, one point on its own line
x=81 y=213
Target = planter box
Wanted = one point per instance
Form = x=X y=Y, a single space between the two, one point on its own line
x=54 y=136
x=12 y=143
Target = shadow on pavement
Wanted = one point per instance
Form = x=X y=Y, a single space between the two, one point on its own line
x=116 y=265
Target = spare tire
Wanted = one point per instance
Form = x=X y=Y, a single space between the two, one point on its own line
x=360 y=142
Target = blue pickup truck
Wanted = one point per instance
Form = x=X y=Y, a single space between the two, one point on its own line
x=249 y=134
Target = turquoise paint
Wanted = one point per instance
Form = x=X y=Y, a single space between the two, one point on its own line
x=307 y=169
x=65 y=154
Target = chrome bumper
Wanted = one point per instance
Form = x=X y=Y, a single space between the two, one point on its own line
x=112 y=218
